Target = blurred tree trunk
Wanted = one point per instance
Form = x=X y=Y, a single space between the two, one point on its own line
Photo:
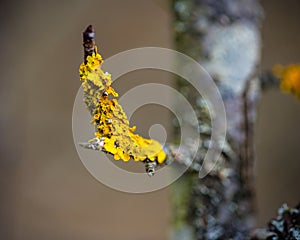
x=224 y=37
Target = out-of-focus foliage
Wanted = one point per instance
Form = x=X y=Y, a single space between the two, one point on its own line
x=290 y=78
x=285 y=226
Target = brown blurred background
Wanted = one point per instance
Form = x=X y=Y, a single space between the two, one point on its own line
x=46 y=193
x=278 y=131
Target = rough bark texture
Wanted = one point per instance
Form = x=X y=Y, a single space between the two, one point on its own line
x=223 y=36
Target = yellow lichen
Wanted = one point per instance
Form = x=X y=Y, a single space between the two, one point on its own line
x=110 y=121
x=290 y=78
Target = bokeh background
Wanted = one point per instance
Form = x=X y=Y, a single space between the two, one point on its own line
x=46 y=193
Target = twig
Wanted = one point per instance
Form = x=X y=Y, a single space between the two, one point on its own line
x=88 y=42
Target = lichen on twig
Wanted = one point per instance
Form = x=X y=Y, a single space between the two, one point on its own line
x=113 y=133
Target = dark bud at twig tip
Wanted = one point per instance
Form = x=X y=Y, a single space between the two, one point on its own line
x=88 y=41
